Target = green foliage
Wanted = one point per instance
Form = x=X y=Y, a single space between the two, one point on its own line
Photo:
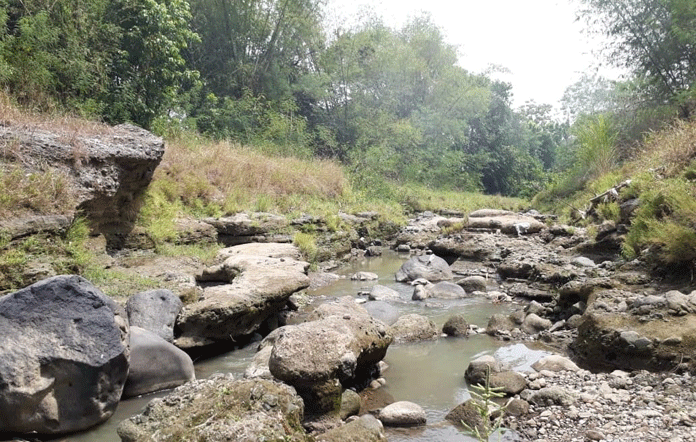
x=655 y=40
x=490 y=412
x=307 y=245
x=664 y=222
x=149 y=69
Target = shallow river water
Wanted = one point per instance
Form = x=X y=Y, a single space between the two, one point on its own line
x=430 y=374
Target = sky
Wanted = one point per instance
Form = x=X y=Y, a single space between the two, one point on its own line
x=540 y=42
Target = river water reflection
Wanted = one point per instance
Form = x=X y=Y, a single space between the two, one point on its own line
x=430 y=374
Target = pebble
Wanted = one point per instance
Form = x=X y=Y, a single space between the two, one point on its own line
x=639 y=407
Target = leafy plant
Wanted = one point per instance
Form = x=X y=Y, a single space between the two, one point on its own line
x=490 y=412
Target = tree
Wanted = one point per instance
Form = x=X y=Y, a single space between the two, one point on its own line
x=149 y=69
x=655 y=39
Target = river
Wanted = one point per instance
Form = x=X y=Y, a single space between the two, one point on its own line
x=430 y=374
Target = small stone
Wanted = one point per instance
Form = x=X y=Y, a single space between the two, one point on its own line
x=594 y=435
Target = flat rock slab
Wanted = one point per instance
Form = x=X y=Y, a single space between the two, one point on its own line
x=506 y=222
x=258 y=287
x=63 y=357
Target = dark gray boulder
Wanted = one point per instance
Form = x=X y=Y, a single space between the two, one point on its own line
x=155 y=364
x=456 y=326
x=154 y=310
x=63 y=357
x=431 y=267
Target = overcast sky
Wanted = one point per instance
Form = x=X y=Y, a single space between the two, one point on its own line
x=539 y=41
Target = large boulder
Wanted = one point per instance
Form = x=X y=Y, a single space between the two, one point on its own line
x=342 y=345
x=108 y=167
x=249 y=290
x=446 y=290
x=63 y=357
x=220 y=409
x=382 y=311
x=154 y=310
x=430 y=267
x=155 y=364
x=506 y=222
x=414 y=327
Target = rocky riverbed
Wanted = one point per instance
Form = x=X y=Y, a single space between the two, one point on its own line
x=617 y=406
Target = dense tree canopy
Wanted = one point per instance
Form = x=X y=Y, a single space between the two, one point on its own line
x=391 y=104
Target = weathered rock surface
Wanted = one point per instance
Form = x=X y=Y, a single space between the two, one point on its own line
x=456 y=326
x=431 y=267
x=63 y=357
x=242 y=228
x=155 y=364
x=383 y=293
x=413 y=328
x=154 y=310
x=506 y=222
x=446 y=290
x=341 y=343
x=254 y=288
x=402 y=414
x=622 y=330
x=109 y=169
x=220 y=409
x=365 y=429
x=382 y=311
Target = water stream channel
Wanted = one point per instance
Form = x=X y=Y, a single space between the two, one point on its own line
x=430 y=374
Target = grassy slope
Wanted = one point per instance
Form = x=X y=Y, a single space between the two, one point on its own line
x=196 y=178
x=663 y=175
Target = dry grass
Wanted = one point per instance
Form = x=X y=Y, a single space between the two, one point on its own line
x=66 y=126
x=670 y=150
x=23 y=193
x=234 y=177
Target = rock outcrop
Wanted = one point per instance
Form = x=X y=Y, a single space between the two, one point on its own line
x=252 y=284
x=63 y=357
x=109 y=168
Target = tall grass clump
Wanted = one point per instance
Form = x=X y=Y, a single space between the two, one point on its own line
x=41 y=192
x=594 y=156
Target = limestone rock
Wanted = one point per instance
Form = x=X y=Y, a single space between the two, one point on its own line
x=552 y=396
x=382 y=293
x=364 y=276
x=350 y=404
x=63 y=357
x=555 y=363
x=109 y=168
x=365 y=429
x=259 y=287
x=446 y=290
x=154 y=310
x=155 y=364
x=413 y=327
x=382 y=311
x=431 y=267
x=402 y=414
x=220 y=408
x=473 y=284
x=341 y=343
